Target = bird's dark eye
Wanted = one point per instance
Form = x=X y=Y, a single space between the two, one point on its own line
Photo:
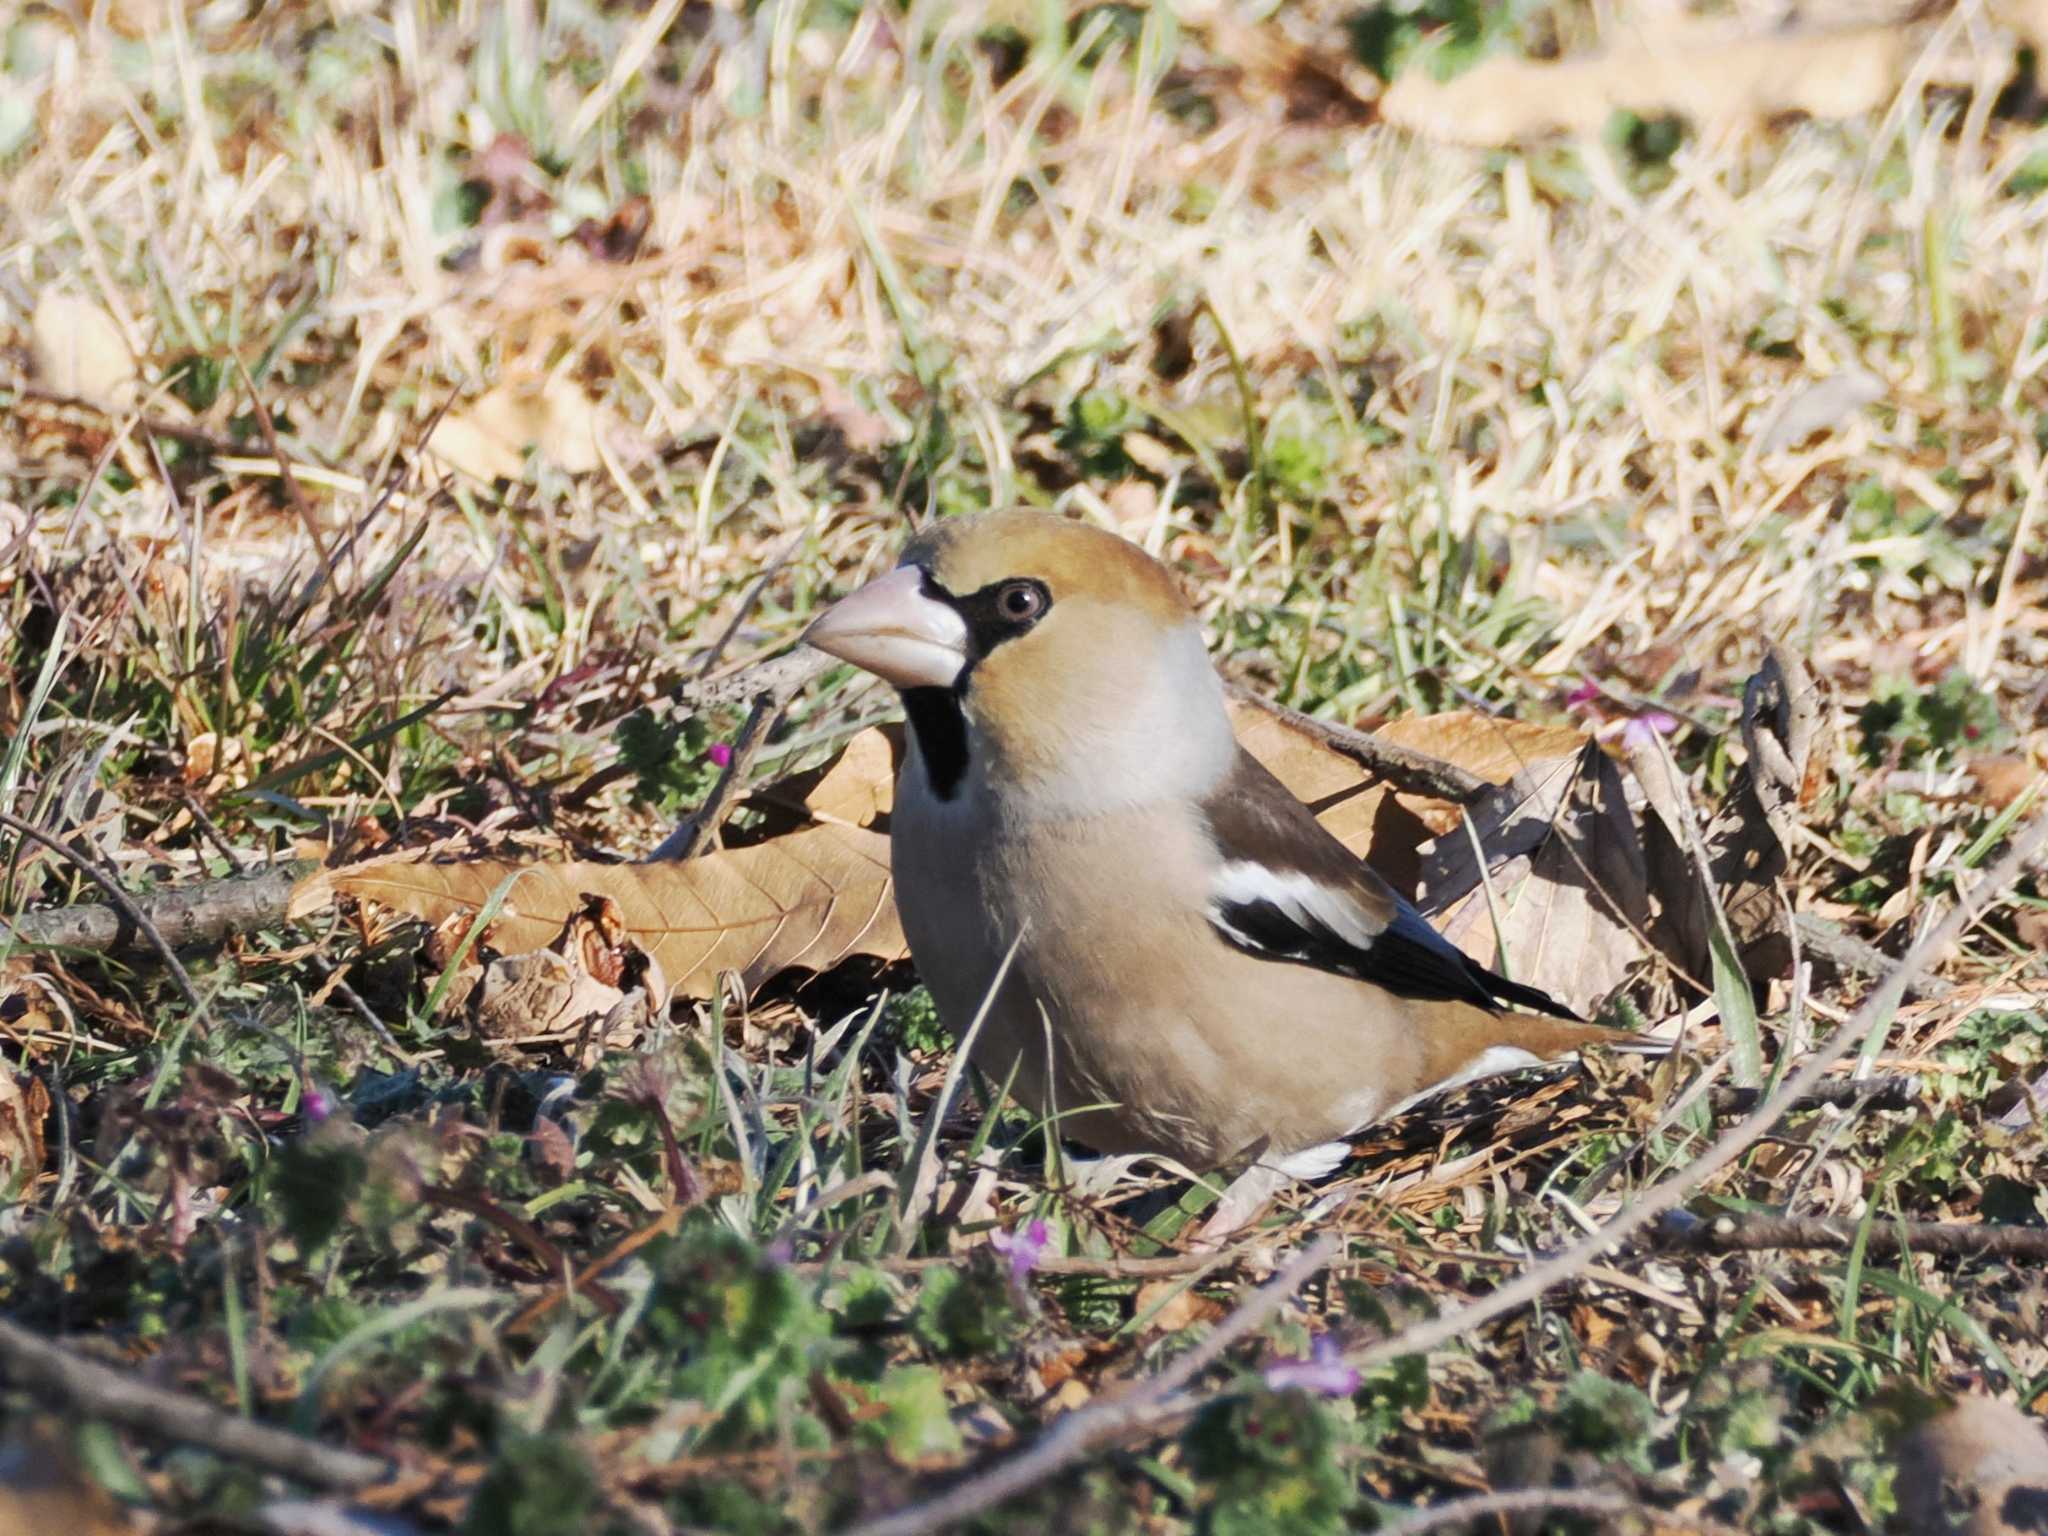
x=1021 y=601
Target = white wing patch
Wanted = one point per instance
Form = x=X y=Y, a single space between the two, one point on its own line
x=1302 y=898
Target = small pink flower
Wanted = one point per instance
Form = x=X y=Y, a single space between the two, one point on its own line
x=1640 y=732
x=1024 y=1249
x=1322 y=1374
x=316 y=1105
x=1587 y=693
x=720 y=754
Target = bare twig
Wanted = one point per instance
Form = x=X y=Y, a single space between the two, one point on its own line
x=1847 y=952
x=1956 y=1239
x=1081 y=1434
x=782 y=675
x=293 y=493
x=119 y=897
x=1414 y=772
x=1864 y=1093
x=688 y=839
x=100 y=1392
x=523 y=1232
x=194 y=914
x=1165 y=1266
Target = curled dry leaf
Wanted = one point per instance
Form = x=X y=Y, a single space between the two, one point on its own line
x=1368 y=816
x=809 y=899
x=1785 y=727
x=1695 y=70
x=79 y=351
x=23 y=1109
x=1564 y=904
x=858 y=788
x=593 y=983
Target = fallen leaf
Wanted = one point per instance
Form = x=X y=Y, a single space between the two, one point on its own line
x=2003 y=778
x=79 y=351
x=1695 y=70
x=1569 y=888
x=808 y=899
x=859 y=787
x=489 y=438
x=1376 y=822
x=22 y=1113
x=593 y=983
x=1818 y=407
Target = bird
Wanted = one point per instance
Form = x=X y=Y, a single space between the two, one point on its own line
x=1143 y=932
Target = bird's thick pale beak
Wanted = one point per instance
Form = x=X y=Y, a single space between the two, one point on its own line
x=894 y=630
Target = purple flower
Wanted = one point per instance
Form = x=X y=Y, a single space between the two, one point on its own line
x=1023 y=1249
x=1587 y=693
x=1323 y=1373
x=1640 y=732
x=719 y=753
x=315 y=1105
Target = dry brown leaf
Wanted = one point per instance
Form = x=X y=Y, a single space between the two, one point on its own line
x=593 y=983
x=1365 y=814
x=79 y=351
x=808 y=899
x=488 y=438
x=1785 y=728
x=1567 y=874
x=1695 y=70
x=859 y=788
x=22 y=1113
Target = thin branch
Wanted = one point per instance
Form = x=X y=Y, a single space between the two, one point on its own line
x=523 y=1232
x=1953 y=1239
x=60 y=1377
x=195 y=914
x=1166 y=1266
x=119 y=897
x=1850 y=1093
x=292 y=491
x=783 y=675
x=1846 y=952
x=1412 y=772
x=688 y=839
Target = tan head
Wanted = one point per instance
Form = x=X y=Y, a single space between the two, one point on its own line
x=1056 y=655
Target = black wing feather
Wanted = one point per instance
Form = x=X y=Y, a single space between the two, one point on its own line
x=1255 y=819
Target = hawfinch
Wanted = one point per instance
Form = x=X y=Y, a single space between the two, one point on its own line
x=1183 y=962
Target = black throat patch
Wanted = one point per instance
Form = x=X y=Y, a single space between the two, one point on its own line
x=938 y=716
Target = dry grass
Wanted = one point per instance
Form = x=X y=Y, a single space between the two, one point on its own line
x=1423 y=427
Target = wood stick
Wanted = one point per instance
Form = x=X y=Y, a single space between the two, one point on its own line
x=97 y=1391
x=193 y=914
x=1756 y=1234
